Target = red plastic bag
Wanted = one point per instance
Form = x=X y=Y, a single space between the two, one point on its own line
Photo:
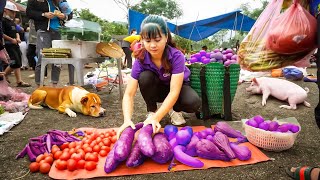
x=294 y=31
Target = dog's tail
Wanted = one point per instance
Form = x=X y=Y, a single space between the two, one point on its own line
x=307 y=89
x=32 y=106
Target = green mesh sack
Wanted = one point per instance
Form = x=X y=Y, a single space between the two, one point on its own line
x=212 y=90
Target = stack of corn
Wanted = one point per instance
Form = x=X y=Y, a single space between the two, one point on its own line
x=56 y=52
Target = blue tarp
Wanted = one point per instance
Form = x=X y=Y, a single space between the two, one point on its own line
x=200 y=29
x=136 y=18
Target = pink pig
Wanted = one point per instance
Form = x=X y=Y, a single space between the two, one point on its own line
x=280 y=89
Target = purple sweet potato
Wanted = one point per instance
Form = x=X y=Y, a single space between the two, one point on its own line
x=243 y=153
x=185 y=158
x=223 y=143
x=208 y=150
x=124 y=143
x=163 y=151
x=135 y=158
x=191 y=147
x=111 y=163
x=145 y=141
x=226 y=129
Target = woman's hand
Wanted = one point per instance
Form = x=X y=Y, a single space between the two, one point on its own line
x=61 y=16
x=155 y=124
x=48 y=15
x=124 y=126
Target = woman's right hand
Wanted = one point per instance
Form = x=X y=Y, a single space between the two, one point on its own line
x=124 y=126
x=49 y=15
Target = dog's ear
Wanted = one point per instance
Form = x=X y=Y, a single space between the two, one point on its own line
x=84 y=100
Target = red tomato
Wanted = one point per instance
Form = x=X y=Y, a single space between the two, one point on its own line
x=65 y=156
x=80 y=164
x=95 y=153
x=113 y=133
x=107 y=135
x=93 y=143
x=90 y=165
x=103 y=153
x=57 y=154
x=101 y=135
x=85 y=146
x=66 y=150
x=96 y=148
x=47 y=154
x=79 y=143
x=44 y=168
x=88 y=132
x=87 y=149
x=71 y=164
x=49 y=160
x=106 y=148
x=101 y=144
x=76 y=156
x=98 y=139
x=84 y=139
x=106 y=142
x=54 y=149
x=92 y=157
x=82 y=153
x=114 y=139
x=78 y=147
x=39 y=158
x=107 y=131
x=61 y=165
x=34 y=167
x=72 y=145
x=72 y=150
x=65 y=145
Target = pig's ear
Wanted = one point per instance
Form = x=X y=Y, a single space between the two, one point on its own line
x=255 y=81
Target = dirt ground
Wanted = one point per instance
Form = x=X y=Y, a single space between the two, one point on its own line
x=38 y=122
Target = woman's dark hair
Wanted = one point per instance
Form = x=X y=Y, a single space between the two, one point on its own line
x=132 y=31
x=152 y=27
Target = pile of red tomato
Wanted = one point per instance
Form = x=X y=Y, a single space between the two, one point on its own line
x=82 y=154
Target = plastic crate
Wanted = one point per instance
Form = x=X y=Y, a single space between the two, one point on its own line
x=215 y=90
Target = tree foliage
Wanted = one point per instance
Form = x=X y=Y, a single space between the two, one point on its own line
x=254 y=13
x=167 y=8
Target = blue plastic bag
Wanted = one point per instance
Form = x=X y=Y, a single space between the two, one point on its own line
x=292 y=73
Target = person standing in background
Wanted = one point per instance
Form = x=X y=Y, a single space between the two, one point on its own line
x=22 y=44
x=31 y=52
x=126 y=43
x=12 y=40
x=48 y=18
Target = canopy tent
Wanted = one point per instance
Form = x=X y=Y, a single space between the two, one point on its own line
x=201 y=29
x=136 y=18
x=81 y=29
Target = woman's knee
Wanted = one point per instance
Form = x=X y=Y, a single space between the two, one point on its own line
x=146 y=79
x=191 y=102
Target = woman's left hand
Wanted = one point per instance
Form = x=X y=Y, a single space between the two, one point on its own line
x=155 y=124
x=61 y=16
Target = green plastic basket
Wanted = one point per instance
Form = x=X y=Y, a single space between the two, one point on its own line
x=214 y=82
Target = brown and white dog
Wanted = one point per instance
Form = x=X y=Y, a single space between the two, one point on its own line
x=67 y=100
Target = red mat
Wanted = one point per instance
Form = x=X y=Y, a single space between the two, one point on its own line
x=149 y=166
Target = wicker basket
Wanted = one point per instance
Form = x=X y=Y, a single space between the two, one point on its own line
x=270 y=141
x=214 y=74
